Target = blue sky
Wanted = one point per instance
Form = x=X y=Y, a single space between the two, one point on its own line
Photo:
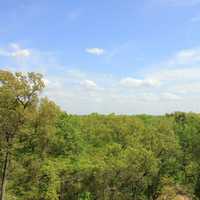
x=130 y=56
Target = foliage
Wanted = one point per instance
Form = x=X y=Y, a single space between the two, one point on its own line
x=48 y=154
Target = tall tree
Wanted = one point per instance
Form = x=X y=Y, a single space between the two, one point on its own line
x=18 y=95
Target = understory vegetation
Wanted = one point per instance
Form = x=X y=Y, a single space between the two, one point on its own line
x=48 y=154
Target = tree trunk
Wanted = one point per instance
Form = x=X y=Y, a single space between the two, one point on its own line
x=62 y=190
x=4 y=177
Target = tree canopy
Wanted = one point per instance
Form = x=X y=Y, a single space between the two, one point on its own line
x=48 y=154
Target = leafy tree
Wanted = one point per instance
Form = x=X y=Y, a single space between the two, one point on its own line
x=18 y=96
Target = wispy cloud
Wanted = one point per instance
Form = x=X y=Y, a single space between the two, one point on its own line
x=95 y=51
x=177 y=74
x=15 y=50
x=138 y=83
x=21 y=53
x=185 y=56
x=88 y=84
x=195 y=19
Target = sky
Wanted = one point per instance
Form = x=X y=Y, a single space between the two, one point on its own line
x=108 y=56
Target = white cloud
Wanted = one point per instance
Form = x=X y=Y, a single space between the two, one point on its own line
x=177 y=74
x=170 y=96
x=186 y=56
x=163 y=96
x=88 y=84
x=18 y=52
x=137 y=83
x=21 y=53
x=170 y=87
x=14 y=46
x=148 y=97
x=187 y=88
x=167 y=88
x=14 y=50
x=95 y=51
x=182 y=67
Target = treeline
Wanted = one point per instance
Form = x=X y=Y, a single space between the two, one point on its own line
x=47 y=154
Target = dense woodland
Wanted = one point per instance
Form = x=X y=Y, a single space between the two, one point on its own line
x=48 y=154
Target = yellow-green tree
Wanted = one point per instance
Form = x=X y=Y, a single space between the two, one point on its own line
x=18 y=96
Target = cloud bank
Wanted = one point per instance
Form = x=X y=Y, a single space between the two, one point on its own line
x=172 y=85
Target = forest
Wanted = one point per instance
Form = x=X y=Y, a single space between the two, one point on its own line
x=48 y=154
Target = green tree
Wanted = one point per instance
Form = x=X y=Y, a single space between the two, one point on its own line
x=18 y=96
